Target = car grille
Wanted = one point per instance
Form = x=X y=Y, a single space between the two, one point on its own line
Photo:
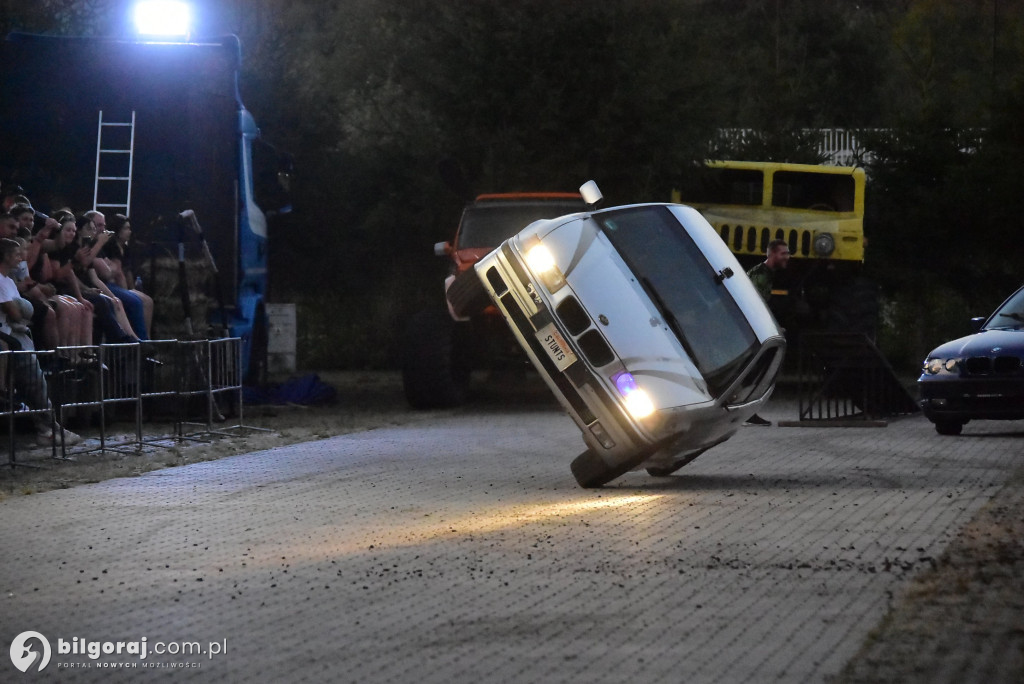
x=593 y=347
x=984 y=365
x=522 y=322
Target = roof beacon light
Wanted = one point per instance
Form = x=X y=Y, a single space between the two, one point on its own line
x=163 y=18
x=591 y=193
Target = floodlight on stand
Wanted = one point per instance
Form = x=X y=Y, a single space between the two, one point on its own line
x=167 y=18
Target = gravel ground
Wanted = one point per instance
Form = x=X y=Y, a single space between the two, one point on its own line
x=970 y=601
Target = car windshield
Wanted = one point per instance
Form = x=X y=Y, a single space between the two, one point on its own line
x=488 y=224
x=1010 y=316
x=681 y=282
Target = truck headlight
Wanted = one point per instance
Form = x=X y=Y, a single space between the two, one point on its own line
x=638 y=403
x=824 y=244
x=542 y=262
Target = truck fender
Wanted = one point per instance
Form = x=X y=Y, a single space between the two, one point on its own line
x=451 y=312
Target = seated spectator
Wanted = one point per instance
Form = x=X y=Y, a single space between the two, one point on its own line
x=83 y=250
x=118 y=259
x=44 y=318
x=29 y=382
x=95 y=237
x=108 y=315
x=25 y=215
x=74 y=316
x=8 y=228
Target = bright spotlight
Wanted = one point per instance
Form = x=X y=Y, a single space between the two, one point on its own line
x=163 y=18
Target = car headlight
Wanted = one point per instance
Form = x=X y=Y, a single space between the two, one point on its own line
x=540 y=259
x=542 y=262
x=935 y=366
x=638 y=402
x=824 y=244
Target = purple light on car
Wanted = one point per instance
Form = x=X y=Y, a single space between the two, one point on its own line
x=625 y=383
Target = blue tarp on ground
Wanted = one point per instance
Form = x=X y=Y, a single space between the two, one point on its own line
x=307 y=391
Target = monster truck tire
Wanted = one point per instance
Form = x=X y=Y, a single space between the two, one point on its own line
x=434 y=373
x=590 y=470
x=467 y=295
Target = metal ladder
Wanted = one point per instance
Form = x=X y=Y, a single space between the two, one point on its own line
x=117 y=178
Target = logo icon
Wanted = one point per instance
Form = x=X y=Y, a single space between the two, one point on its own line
x=24 y=657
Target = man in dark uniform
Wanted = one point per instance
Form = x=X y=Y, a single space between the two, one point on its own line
x=762 y=275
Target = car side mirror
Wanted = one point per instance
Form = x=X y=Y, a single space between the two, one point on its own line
x=442 y=249
x=977 y=322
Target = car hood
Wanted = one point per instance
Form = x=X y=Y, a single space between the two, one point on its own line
x=984 y=343
x=623 y=313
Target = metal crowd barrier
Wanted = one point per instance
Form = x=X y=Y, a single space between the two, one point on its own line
x=211 y=371
x=25 y=396
x=137 y=382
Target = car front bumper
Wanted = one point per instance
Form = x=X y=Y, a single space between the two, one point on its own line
x=963 y=399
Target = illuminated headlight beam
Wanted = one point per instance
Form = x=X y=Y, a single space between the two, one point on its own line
x=638 y=402
x=542 y=262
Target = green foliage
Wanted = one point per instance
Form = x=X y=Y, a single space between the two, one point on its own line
x=793 y=64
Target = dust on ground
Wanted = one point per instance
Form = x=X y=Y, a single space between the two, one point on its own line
x=960 y=621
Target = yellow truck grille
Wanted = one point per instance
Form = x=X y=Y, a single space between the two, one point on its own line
x=752 y=239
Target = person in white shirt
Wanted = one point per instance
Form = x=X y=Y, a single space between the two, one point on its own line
x=29 y=382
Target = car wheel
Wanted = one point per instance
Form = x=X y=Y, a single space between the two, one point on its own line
x=467 y=295
x=590 y=470
x=949 y=427
x=435 y=372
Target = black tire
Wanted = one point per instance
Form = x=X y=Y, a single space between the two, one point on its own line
x=467 y=295
x=949 y=427
x=434 y=372
x=591 y=471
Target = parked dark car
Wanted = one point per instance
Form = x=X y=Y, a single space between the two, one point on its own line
x=979 y=376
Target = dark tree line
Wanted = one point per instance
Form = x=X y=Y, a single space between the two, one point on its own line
x=397 y=111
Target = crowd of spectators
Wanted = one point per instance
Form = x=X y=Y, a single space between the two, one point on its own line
x=65 y=285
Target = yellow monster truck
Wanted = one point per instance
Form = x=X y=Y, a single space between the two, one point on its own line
x=819 y=212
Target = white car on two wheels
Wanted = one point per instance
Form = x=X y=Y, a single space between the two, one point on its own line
x=643 y=325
